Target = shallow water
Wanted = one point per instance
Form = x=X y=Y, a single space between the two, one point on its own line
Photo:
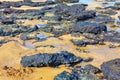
x=86 y=1
x=118 y=30
x=104 y=3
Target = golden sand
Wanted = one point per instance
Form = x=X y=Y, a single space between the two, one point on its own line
x=12 y=52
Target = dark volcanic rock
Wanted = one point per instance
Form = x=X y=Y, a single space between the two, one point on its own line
x=113 y=7
x=84 y=42
x=101 y=19
x=7 y=21
x=9 y=30
x=112 y=36
x=111 y=69
x=79 y=73
x=119 y=17
x=88 y=27
x=79 y=42
x=24 y=36
x=2 y=41
x=92 y=69
x=16 y=4
x=8 y=4
x=10 y=10
x=74 y=12
x=53 y=60
x=69 y=1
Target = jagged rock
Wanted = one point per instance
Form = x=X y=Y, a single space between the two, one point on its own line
x=101 y=19
x=112 y=36
x=7 y=4
x=109 y=12
x=111 y=69
x=79 y=73
x=119 y=17
x=92 y=69
x=53 y=60
x=24 y=36
x=69 y=1
x=74 y=12
x=84 y=42
x=9 y=30
x=88 y=27
x=113 y=7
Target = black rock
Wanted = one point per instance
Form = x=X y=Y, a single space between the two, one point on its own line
x=110 y=12
x=10 y=10
x=92 y=69
x=68 y=1
x=101 y=19
x=113 y=7
x=84 y=15
x=79 y=73
x=84 y=42
x=2 y=41
x=112 y=46
x=89 y=59
x=7 y=20
x=9 y=30
x=74 y=12
x=112 y=36
x=24 y=36
x=53 y=60
x=79 y=42
x=111 y=69
x=16 y=4
x=119 y=17
x=88 y=27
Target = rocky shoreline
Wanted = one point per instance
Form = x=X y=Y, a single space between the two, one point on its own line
x=81 y=27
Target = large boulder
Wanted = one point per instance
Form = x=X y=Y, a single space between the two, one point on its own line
x=53 y=60
x=88 y=27
x=111 y=69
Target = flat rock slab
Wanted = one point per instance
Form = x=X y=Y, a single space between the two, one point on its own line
x=111 y=69
x=53 y=60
